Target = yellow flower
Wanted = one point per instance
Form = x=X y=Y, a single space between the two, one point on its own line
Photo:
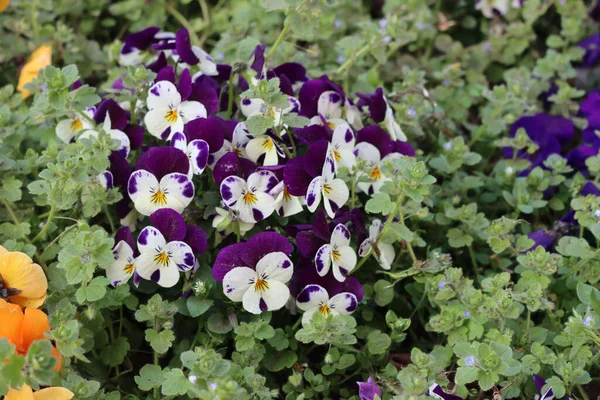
x=51 y=393
x=4 y=4
x=21 y=281
x=40 y=59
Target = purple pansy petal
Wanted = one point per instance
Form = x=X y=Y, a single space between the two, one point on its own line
x=590 y=188
x=577 y=156
x=367 y=390
x=437 y=390
x=262 y=244
x=166 y=74
x=295 y=177
x=161 y=161
x=207 y=129
x=320 y=227
x=590 y=108
x=403 y=148
x=376 y=136
x=142 y=39
x=184 y=47
x=309 y=96
x=184 y=86
x=312 y=134
x=119 y=168
x=205 y=94
x=196 y=238
x=258 y=59
x=591 y=45
x=541 y=238
x=159 y=64
x=198 y=154
x=232 y=164
x=293 y=71
x=228 y=259
x=315 y=158
x=119 y=118
x=378 y=106
x=124 y=234
x=170 y=223
x=308 y=243
x=135 y=133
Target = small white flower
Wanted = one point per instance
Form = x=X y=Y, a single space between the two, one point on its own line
x=192 y=379
x=261 y=290
x=250 y=198
x=337 y=255
x=334 y=192
x=384 y=252
x=314 y=298
x=67 y=129
x=166 y=110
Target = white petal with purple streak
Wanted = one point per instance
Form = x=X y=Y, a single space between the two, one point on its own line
x=276 y=266
x=237 y=282
x=181 y=254
x=323 y=259
x=312 y=296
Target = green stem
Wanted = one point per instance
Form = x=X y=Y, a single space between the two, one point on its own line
x=582 y=392
x=355 y=57
x=186 y=24
x=47 y=224
x=419 y=304
x=292 y=142
x=528 y=320
x=474 y=262
x=287 y=151
x=295 y=326
x=156 y=392
x=286 y=27
x=581 y=263
x=109 y=217
x=360 y=263
x=230 y=95
x=408 y=245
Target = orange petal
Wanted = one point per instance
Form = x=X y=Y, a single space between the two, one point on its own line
x=19 y=272
x=11 y=317
x=35 y=324
x=40 y=59
x=2 y=249
x=56 y=354
x=53 y=393
x=26 y=393
x=4 y=4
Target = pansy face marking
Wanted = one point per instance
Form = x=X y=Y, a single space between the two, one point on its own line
x=329 y=110
x=314 y=298
x=342 y=146
x=334 y=192
x=67 y=129
x=174 y=191
x=337 y=255
x=370 y=154
x=263 y=289
x=123 y=268
x=250 y=199
x=285 y=204
x=160 y=261
x=197 y=152
x=384 y=252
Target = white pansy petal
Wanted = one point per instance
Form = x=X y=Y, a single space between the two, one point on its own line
x=340 y=236
x=386 y=255
x=179 y=141
x=365 y=248
x=312 y=296
x=123 y=139
x=294 y=106
x=336 y=194
x=275 y=266
x=178 y=190
x=375 y=228
x=150 y=240
x=167 y=276
x=240 y=136
x=251 y=107
x=262 y=181
x=343 y=137
x=287 y=205
x=344 y=261
x=119 y=272
x=142 y=186
x=274 y=297
x=122 y=251
x=191 y=110
x=163 y=95
x=157 y=123
x=329 y=167
x=367 y=152
x=308 y=315
x=313 y=194
x=146 y=266
x=263 y=144
x=344 y=303
x=198 y=153
x=67 y=129
x=330 y=104
x=207 y=63
x=323 y=259
x=106 y=179
x=181 y=254
x=231 y=189
x=237 y=282
x=256 y=208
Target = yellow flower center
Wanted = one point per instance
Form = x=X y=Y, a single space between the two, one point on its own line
x=250 y=198
x=172 y=116
x=261 y=285
x=162 y=258
x=272 y=112
x=336 y=154
x=325 y=310
x=159 y=198
x=375 y=174
x=286 y=194
x=268 y=144
x=331 y=125
x=238 y=152
x=335 y=255
x=326 y=188
x=76 y=125
x=128 y=269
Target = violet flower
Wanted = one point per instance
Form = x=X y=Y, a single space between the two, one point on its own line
x=368 y=390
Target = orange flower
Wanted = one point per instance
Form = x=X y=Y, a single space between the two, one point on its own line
x=51 y=393
x=40 y=59
x=24 y=328
x=21 y=281
x=4 y=4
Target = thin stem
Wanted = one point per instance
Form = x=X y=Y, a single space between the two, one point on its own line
x=474 y=262
x=286 y=27
x=186 y=24
x=292 y=142
x=84 y=115
x=360 y=263
x=582 y=392
x=120 y=321
x=109 y=217
x=230 y=96
x=355 y=57
x=408 y=245
x=528 y=320
x=295 y=326
x=156 y=392
x=47 y=224
x=206 y=18
x=419 y=304
x=581 y=263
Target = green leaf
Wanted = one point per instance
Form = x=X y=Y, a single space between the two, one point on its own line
x=380 y=203
x=114 y=354
x=175 y=383
x=150 y=377
x=402 y=232
x=384 y=292
x=258 y=124
x=197 y=306
x=378 y=342
x=466 y=375
x=458 y=238
x=160 y=341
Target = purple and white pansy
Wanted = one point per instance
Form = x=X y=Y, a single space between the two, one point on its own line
x=67 y=129
x=261 y=289
x=125 y=254
x=437 y=392
x=239 y=140
x=285 y=204
x=330 y=107
x=336 y=255
x=374 y=163
x=334 y=191
x=314 y=298
x=252 y=107
x=251 y=198
x=342 y=146
x=197 y=152
x=116 y=134
x=384 y=252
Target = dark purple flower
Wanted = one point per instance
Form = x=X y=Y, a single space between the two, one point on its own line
x=289 y=74
x=312 y=134
x=232 y=164
x=590 y=188
x=208 y=129
x=367 y=390
x=311 y=91
x=173 y=227
x=578 y=155
x=541 y=238
x=257 y=60
x=161 y=161
x=437 y=392
x=375 y=102
x=548 y=394
x=301 y=170
x=119 y=118
x=124 y=234
x=143 y=39
x=591 y=45
x=247 y=254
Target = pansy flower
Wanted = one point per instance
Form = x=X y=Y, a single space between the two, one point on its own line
x=115 y=134
x=251 y=198
x=132 y=51
x=161 y=260
x=342 y=146
x=381 y=112
x=39 y=59
x=119 y=119
x=547 y=394
x=67 y=129
x=368 y=390
x=168 y=110
x=488 y=7
x=197 y=152
x=336 y=255
x=49 y=393
x=21 y=280
x=591 y=45
x=383 y=252
x=252 y=107
x=261 y=289
x=125 y=254
x=334 y=191
x=330 y=107
x=161 y=181
x=193 y=55
x=286 y=204
x=314 y=298
x=239 y=140
x=437 y=392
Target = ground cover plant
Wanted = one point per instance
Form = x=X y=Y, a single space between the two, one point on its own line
x=299 y=199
